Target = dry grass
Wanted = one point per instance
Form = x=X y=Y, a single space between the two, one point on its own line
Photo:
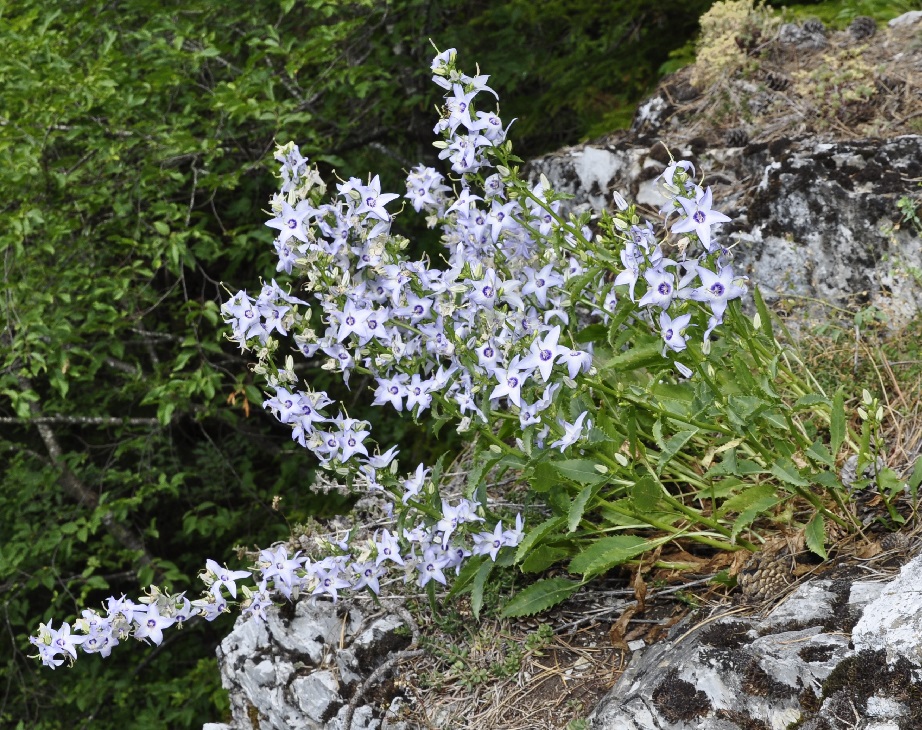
x=847 y=90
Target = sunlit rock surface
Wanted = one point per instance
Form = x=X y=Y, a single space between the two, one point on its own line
x=835 y=647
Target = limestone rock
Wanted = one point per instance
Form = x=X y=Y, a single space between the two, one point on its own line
x=811 y=221
x=796 y=665
x=300 y=668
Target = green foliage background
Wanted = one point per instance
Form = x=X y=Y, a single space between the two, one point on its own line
x=135 y=159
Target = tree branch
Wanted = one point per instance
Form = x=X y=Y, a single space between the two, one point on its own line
x=78 y=491
x=81 y=421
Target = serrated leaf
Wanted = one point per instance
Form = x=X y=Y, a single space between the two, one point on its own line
x=752 y=512
x=537 y=534
x=608 y=552
x=540 y=596
x=819 y=452
x=673 y=446
x=581 y=471
x=815 y=535
x=785 y=470
x=578 y=506
x=811 y=399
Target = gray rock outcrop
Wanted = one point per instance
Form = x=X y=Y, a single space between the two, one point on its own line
x=301 y=667
x=812 y=221
x=841 y=652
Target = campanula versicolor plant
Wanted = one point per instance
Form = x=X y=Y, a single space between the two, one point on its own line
x=610 y=365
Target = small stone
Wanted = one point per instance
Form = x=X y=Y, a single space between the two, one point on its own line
x=862 y=27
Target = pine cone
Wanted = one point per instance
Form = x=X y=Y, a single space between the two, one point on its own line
x=895 y=541
x=736 y=137
x=814 y=27
x=769 y=571
x=862 y=27
x=777 y=81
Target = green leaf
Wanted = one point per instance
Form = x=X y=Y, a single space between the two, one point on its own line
x=543 y=558
x=645 y=494
x=915 y=479
x=819 y=452
x=673 y=446
x=536 y=535
x=162 y=228
x=480 y=581
x=578 y=506
x=540 y=596
x=815 y=535
x=837 y=423
x=750 y=505
x=637 y=357
x=544 y=476
x=785 y=470
x=581 y=471
x=811 y=399
x=608 y=552
x=765 y=315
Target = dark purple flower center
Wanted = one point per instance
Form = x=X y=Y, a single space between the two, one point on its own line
x=546 y=355
x=512 y=382
x=487 y=291
x=664 y=288
x=500 y=216
x=351 y=442
x=394 y=390
x=668 y=334
x=488 y=352
x=718 y=289
x=151 y=623
x=370 y=202
x=350 y=320
x=418 y=309
x=699 y=217
x=540 y=283
x=372 y=324
x=292 y=223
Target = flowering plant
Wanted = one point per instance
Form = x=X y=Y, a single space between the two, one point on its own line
x=579 y=353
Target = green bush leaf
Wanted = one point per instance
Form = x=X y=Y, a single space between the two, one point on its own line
x=645 y=494
x=673 y=446
x=785 y=470
x=608 y=552
x=540 y=596
x=578 y=506
x=837 y=423
x=480 y=581
x=581 y=471
x=536 y=535
x=542 y=558
x=815 y=535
